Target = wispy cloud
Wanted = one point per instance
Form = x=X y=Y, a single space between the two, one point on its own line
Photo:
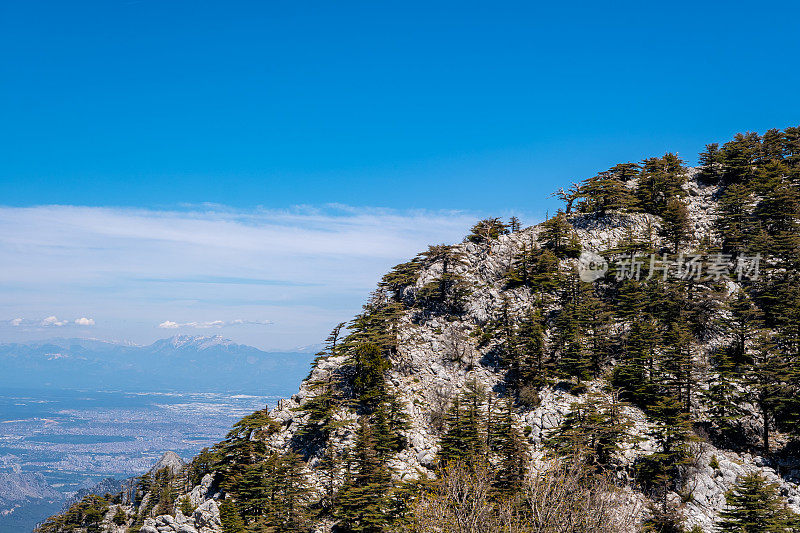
x=169 y=324
x=306 y=268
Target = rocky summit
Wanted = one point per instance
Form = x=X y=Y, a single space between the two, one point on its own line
x=631 y=360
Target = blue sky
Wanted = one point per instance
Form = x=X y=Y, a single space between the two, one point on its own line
x=201 y=111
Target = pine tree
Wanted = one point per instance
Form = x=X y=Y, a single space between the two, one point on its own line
x=608 y=191
x=579 y=329
x=363 y=500
x=676 y=369
x=559 y=236
x=744 y=323
x=320 y=408
x=635 y=375
x=329 y=470
x=791 y=148
x=661 y=179
x=740 y=157
x=534 y=369
x=377 y=324
x=592 y=432
x=721 y=394
x=568 y=196
x=382 y=433
x=327 y=398
x=766 y=381
x=711 y=161
x=120 y=517
x=487 y=230
x=659 y=472
x=255 y=489
x=398 y=422
x=635 y=242
x=665 y=518
x=772 y=146
x=504 y=331
x=370 y=366
x=273 y=495
x=229 y=516
x=596 y=317
x=777 y=212
x=536 y=268
x=519 y=272
x=448 y=292
x=754 y=359
x=736 y=224
x=203 y=463
x=754 y=506
x=290 y=508
x=464 y=441
x=330 y=346
x=512 y=450
x=400 y=277
x=240 y=449
x=676 y=223
x=450 y=448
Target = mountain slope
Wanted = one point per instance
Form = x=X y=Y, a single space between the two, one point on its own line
x=26 y=497
x=555 y=350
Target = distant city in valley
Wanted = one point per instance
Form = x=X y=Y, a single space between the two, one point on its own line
x=58 y=438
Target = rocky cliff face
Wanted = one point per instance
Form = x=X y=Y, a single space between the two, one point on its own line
x=438 y=355
x=430 y=365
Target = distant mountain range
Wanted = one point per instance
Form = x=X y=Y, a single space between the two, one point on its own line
x=25 y=498
x=18 y=486
x=179 y=363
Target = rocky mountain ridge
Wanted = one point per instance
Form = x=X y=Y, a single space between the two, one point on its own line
x=441 y=348
x=424 y=374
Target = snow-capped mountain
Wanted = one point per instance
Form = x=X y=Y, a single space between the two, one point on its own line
x=200 y=343
x=182 y=362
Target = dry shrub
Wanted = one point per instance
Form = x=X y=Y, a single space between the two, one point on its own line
x=529 y=396
x=457 y=347
x=438 y=403
x=565 y=499
x=560 y=499
x=459 y=502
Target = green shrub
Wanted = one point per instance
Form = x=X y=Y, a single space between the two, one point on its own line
x=185 y=505
x=120 y=517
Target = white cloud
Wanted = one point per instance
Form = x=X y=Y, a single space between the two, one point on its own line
x=52 y=321
x=155 y=237
x=169 y=324
x=311 y=267
x=239 y=321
